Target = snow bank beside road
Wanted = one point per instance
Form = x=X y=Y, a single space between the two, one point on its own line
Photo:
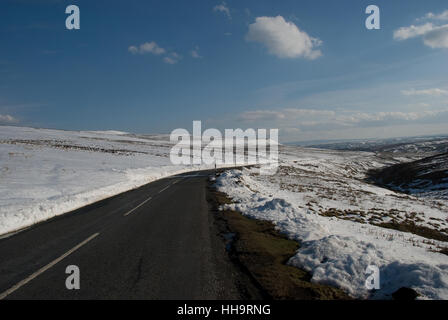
x=337 y=251
x=45 y=173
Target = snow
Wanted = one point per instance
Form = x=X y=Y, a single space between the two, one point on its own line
x=337 y=248
x=45 y=173
x=317 y=197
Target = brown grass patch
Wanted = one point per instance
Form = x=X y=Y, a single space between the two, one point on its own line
x=263 y=252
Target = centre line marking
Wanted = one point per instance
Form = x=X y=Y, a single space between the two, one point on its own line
x=130 y=211
x=163 y=189
x=45 y=268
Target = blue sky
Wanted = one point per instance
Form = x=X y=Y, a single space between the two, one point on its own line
x=309 y=68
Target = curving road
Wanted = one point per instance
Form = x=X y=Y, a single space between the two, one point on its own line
x=155 y=242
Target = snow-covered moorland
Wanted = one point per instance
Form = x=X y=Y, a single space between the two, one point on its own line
x=344 y=224
x=44 y=173
x=318 y=197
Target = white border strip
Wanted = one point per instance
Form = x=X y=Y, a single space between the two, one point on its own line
x=45 y=268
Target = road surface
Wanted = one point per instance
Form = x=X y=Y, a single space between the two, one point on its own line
x=155 y=242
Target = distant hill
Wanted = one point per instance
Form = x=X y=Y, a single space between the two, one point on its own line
x=425 y=176
x=419 y=145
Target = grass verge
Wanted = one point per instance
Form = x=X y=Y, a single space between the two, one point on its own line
x=262 y=252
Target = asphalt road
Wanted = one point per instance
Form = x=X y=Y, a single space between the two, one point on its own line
x=155 y=242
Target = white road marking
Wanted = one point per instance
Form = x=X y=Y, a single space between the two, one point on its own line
x=163 y=189
x=130 y=211
x=45 y=268
x=12 y=233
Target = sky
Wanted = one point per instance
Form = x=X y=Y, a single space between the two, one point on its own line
x=310 y=68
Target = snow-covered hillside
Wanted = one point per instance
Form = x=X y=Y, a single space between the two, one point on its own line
x=419 y=146
x=427 y=177
x=320 y=198
x=44 y=173
x=344 y=224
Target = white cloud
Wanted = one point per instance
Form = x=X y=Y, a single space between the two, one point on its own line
x=283 y=39
x=223 y=8
x=153 y=48
x=434 y=36
x=195 y=53
x=133 y=49
x=365 y=112
x=437 y=38
x=7 y=119
x=284 y=114
x=428 y=92
x=432 y=16
x=321 y=120
x=172 y=58
x=261 y=115
x=147 y=47
x=384 y=116
x=405 y=33
x=169 y=60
